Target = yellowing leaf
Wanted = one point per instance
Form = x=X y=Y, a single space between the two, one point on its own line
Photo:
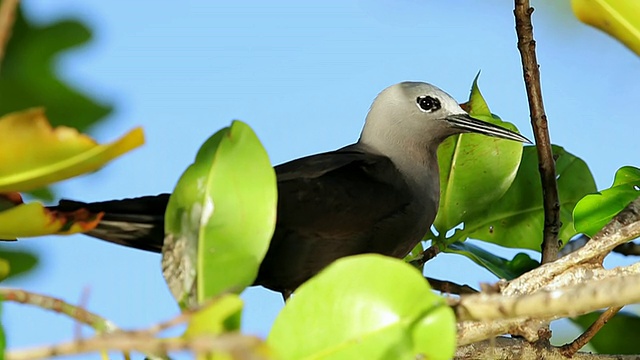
x=618 y=18
x=33 y=154
x=33 y=219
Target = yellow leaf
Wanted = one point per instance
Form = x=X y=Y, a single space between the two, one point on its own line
x=618 y=18
x=33 y=219
x=33 y=154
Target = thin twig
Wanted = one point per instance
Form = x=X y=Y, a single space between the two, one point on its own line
x=517 y=348
x=531 y=71
x=449 y=287
x=236 y=345
x=81 y=315
x=82 y=304
x=570 y=349
x=428 y=254
x=7 y=17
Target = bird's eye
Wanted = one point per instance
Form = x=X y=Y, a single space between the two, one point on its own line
x=428 y=103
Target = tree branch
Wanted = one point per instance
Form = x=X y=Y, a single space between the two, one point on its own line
x=570 y=349
x=531 y=71
x=449 y=287
x=617 y=288
x=426 y=255
x=510 y=348
x=236 y=345
x=81 y=315
x=579 y=274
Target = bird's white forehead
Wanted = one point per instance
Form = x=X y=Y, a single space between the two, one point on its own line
x=409 y=91
x=413 y=89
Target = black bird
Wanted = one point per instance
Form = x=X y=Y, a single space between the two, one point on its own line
x=379 y=195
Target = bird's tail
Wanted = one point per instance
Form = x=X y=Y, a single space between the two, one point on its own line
x=136 y=222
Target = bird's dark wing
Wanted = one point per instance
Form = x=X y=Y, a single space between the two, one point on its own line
x=332 y=205
x=136 y=222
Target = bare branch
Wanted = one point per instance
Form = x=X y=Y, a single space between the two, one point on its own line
x=510 y=348
x=530 y=68
x=428 y=254
x=449 y=287
x=236 y=345
x=613 y=291
x=623 y=227
x=570 y=349
x=81 y=315
x=579 y=274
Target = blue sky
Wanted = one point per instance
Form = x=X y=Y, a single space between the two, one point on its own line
x=303 y=75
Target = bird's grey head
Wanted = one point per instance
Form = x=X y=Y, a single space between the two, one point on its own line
x=412 y=115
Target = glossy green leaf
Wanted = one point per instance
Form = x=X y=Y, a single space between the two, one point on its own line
x=34 y=154
x=594 y=211
x=475 y=170
x=499 y=266
x=618 y=18
x=220 y=316
x=220 y=217
x=365 y=307
x=517 y=219
x=618 y=336
x=28 y=75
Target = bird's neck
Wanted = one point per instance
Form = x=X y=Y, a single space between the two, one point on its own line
x=416 y=161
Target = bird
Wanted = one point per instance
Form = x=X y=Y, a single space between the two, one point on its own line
x=377 y=195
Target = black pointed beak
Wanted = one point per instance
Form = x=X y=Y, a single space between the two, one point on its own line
x=469 y=124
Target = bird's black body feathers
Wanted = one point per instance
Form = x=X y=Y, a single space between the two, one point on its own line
x=330 y=205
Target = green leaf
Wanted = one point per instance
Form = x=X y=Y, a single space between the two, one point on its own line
x=17 y=262
x=618 y=336
x=27 y=76
x=618 y=18
x=475 y=170
x=220 y=217
x=501 y=267
x=517 y=219
x=365 y=307
x=220 y=316
x=594 y=211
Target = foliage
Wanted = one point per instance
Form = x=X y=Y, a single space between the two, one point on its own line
x=596 y=210
x=365 y=306
x=33 y=155
x=220 y=217
x=28 y=77
x=475 y=171
x=618 y=18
